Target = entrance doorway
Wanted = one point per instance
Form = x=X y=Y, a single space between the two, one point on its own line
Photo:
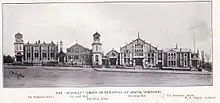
x=139 y=61
x=113 y=61
x=194 y=63
x=19 y=57
x=160 y=65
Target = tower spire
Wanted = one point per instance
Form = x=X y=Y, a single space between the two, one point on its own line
x=61 y=45
x=138 y=35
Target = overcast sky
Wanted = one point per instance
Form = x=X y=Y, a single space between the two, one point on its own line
x=161 y=24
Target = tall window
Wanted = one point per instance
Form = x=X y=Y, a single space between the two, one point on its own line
x=44 y=55
x=36 y=55
x=76 y=50
x=28 y=56
x=96 y=58
x=97 y=48
x=185 y=55
x=185 y=62
x=36 y=49
x=44 y=48
x=52 y=54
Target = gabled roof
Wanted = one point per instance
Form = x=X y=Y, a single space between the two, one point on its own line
x=75 y=45
x=139 y=39
x=112 y=51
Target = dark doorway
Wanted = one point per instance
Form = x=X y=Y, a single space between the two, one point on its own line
x=138 y=61
x=160 y=65
x=61 y=59
x=194 y=63
x=113 y=61
x=19 y=57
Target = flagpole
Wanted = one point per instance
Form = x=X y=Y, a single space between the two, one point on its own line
x=194 y=42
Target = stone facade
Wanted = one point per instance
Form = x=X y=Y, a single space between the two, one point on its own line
x=40 y=53
x=36 y=53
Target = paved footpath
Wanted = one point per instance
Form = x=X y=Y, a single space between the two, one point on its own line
x=153 y=71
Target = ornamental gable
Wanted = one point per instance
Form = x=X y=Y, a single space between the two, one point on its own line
x=112 y=53
x=77 y=49
x=138 y=44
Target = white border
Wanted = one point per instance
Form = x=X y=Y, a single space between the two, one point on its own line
x=19 y=95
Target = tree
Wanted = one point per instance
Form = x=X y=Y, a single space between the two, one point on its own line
x=8 y=59
x=207 y=55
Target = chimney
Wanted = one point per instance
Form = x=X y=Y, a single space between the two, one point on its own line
x=176 y=46
x=61 y=45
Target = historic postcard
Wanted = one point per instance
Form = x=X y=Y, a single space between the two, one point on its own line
x=108 y=44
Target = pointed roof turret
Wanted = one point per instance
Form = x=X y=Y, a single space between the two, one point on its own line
x=18 y=34
x=96 y=33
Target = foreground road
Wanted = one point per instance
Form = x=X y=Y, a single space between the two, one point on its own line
x=78 y=77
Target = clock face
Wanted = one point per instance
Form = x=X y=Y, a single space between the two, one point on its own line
x=18 y=40
x=96 y=38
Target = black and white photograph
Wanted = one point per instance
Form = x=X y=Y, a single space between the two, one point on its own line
x=107 y=44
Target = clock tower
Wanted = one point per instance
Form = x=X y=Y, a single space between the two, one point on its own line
x=96 y=50
x=18 y=47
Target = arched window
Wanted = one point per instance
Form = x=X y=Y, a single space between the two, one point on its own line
x=97 y=48
x=113 y=54
x=20 y=47
x=76 y=50
x=96 y=58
